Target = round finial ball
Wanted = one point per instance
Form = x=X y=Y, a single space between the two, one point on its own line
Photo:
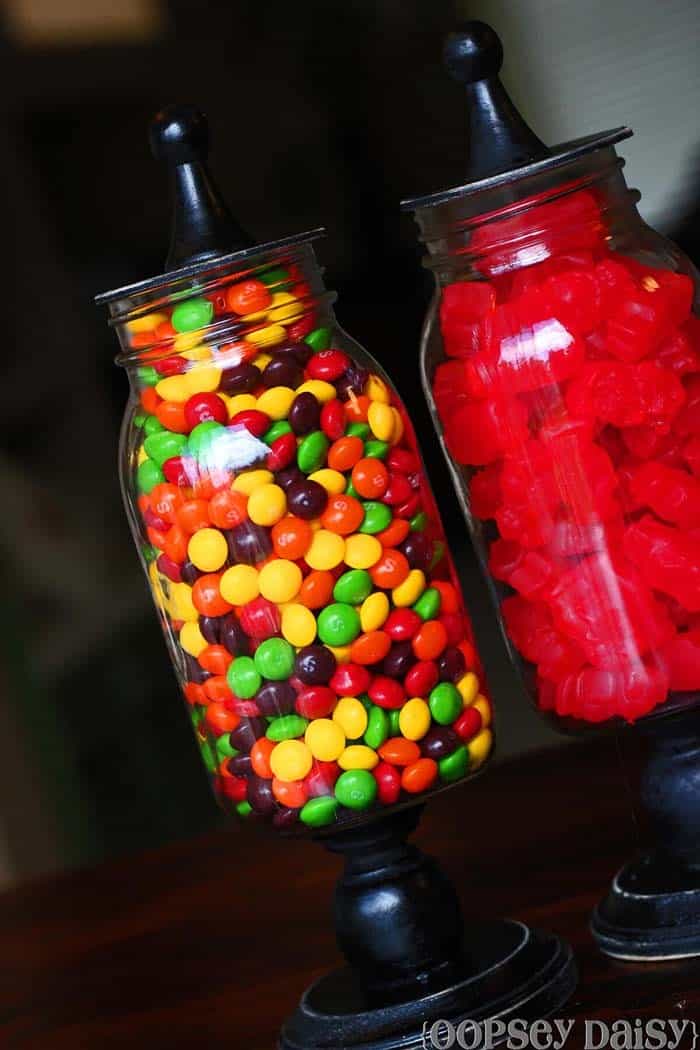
x=179 y=135
x=473 y=52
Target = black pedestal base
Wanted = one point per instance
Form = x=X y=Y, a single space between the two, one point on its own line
x=508 y=971
x=651 y=912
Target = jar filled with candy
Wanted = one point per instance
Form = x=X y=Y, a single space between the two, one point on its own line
x=561 y=362
x=293 y=546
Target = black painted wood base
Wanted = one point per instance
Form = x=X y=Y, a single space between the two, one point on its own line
x=412 y=959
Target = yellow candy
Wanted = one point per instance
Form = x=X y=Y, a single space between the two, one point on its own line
x=186 y=340
x=173 y=388
x=141 y=456
x=321 y=390
x=332 y=480
x=259 y=315
x=410 y=590
x=156 y=581
x=241 y=403
x=180 y=603
x=414 y=719
x=298 y=625
x=468 y=686
x=262 y=361
x=482 y=705
x=250 y=480
x=374 y=611
x=381 y=420
x=268 y=336
x=351 y=716
x=324 y=739
x=342 y=653
x=202 y=380
x=197 y=353
x=358 y=756
x=377 y=390
x=276 y=402
x=284 y=308
x=326 y=551
x=267 y=504
x=207 y=550
x=398 y=430
x=362 y=551
x=291 y=760
x=192 y=640
x=146 y=323
x=479 y=748
x=280 y=580
x=239 y=584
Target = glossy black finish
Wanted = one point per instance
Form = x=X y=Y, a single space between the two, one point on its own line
x=652 y=910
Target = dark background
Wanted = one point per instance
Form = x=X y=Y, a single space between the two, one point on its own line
x=321 y=113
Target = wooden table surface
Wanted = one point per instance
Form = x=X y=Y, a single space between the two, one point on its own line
x=209 y=942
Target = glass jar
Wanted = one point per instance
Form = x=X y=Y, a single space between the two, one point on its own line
x=561 y=363
x=293 y=547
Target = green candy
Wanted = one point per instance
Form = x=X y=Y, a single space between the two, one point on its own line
x=366 y=702
x=243 y=677
x=274 y=276
x=193 y=313
x=319 y=811
x=356 y=789
x=350 y=490
x=164 y=445
x=203 y=437
x=148 y=375
x=140 y=419
x=311 y=454
x=274 y=659
x=244 y=809
x=418 y=521
x=197 y=714
x=224 y=749
x=152 y=425
x=276 y=430
x=319 y=339
x=338 y=624
x=148 y=475
x=428 y=605
x=286 y=727
x=454 y=766
x=150 y=552
x=360 y=430
x=353 y=587
x=376 y=449
x=377 y=517
x=208 y=756
x=438 y=553
x=394 y=727
x=377 y=727
x=445 y=703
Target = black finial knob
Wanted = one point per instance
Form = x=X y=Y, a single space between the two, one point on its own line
x=499 y=137
x=202 y=226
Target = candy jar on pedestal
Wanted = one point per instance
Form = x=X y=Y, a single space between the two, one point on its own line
x=561 y=363
x=310 y=605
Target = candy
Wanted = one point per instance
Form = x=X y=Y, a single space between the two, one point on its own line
x=239 y=584
x=353 y=587
x=445 y=703
x=351 y=716
x=280 y=580
x=307 y=499
x=267 y=504
x=274 y=659
x=338 y=624
x=298 y=625
x=319 y=811
x=358 y=756
x=374 y=611
x=454 y=766
x=326 y=551
x=325 y=739
x=314 y=665
x=377 y=729
x=291 y=760
x=415 y=719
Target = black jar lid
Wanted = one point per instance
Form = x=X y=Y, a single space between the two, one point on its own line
x=205 y=237
x=502 y=147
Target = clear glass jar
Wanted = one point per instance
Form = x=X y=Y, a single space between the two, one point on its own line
x=561 y=363
x=293 y=547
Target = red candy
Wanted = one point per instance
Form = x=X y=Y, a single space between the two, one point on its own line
x=202 y=408
x=316 y=702
x=386 y=692
x=255 y=422
x=328 y=365
x=402 y=624
x=388 y=783
x=350 y=679
x=260 y=619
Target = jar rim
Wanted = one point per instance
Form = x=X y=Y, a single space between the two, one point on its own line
x=207 y=266
x=556 y=157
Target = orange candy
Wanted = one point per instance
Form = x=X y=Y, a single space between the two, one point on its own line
x=247 y=297
x=195 y=694
x=356 y=408
x=205 y=486
x=345 y=452
x=217 y=689
x=215 y=659
x=260 y=757
x=391 y=569
x=176 y=544
x=221 y=719
x=395 y=533
x=449 y=602
x=419 y=776
x=370 y=648
x=172 y=415
x=343 y=514
x=291 y=537
x=430 y=640
x=370 y=477
x=317 y=589
x=399 y=751
x=193 y=515
x=469 y=653
x=156 y=537
x=290 y=793
x=149 y=400
x=228 y=509
x=206 y=596
x=165 y=500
